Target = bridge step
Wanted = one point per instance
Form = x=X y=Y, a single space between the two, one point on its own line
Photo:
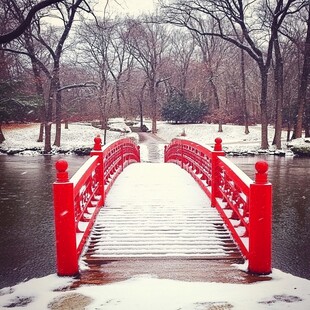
x=157 y=212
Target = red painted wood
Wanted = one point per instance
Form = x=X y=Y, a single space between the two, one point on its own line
x=77 y=201
x=245 y=206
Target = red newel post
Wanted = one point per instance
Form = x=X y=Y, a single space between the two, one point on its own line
x=65 y=227
x=97 y=145
x=97 y=150
x=260 y=236
x=215 y=182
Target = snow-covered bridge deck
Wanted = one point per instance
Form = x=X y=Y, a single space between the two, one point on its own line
x=154 y=213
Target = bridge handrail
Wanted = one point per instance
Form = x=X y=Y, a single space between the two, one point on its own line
x=244 y=205
x=77 y=201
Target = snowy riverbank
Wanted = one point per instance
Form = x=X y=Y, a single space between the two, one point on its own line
x=79 y=138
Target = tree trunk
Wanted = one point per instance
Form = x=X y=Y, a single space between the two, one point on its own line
x=141 y=113
x=220 y=129
x=38 y=82
x=302 y=93
x=243 y=99
x=153 y=107
x=215 y=94
x=278 y=77
x=2 y=138
x=47 y=140
x=307 y=119
x=118 y=98
x=41 y=133
x=49 y=118
x=263 y=106
x=58 y=108
x=216 y=101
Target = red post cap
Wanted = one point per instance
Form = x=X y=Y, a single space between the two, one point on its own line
x=97 y=146
x=218 y=144
x=261 y=175
x=61 y=167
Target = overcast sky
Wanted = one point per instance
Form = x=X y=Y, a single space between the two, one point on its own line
x=132 y=7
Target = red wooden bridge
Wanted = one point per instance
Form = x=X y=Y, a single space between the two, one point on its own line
x=188 y=218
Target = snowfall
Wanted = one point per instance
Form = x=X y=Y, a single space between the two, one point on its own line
x=283 y=291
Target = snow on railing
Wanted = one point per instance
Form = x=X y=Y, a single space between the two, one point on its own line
x=244 y=205
x=78 y=200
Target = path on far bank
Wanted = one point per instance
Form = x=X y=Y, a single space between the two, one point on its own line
x=152 y=147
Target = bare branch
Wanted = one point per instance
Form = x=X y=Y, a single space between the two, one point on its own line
x=86 y=84
x=27 y=21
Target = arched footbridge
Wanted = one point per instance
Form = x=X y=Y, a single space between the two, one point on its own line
x=190 y=217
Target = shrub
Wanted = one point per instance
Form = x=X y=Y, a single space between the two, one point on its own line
x=178 y=109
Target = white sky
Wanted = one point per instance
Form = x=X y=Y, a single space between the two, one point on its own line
x=131 y=7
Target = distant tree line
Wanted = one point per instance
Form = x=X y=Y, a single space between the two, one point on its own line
x=224 y=61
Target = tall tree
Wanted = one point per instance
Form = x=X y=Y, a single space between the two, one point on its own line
x=147 y=43
x=304 y=82
x=279 y=84
x=235 y=20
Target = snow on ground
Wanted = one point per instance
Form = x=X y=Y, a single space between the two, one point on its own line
x=82 y=136
x=77 y=136
x=144 y=292
x=233 y=137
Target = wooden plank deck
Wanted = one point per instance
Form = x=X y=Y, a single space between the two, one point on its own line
x=158 y=221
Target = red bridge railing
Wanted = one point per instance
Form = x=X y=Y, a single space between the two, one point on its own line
x=244 y=205
x=78 y=200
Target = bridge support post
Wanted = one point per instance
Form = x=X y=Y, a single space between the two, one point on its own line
x=215 y=181
x=97 y=150
x=260 y=234
x=66 y=251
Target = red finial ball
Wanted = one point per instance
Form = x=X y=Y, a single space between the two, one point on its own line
x=218 y=144
x=62 y=174
x=61 y=165
x=261 y=167
x=97 y=146
x=261 y=175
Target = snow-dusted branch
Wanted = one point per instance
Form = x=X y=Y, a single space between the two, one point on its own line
x=86 y=84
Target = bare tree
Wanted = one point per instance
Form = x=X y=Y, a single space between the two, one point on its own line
x=235 y=20
x=147 y=43
x=304 y=82
x=103 y=50
x=182 y=47
x=279 y=84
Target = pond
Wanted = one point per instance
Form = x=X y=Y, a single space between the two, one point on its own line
x=290 y=177
x=26 y=216
x=27 y=224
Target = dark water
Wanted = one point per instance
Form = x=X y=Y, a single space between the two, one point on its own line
x=26 y=216
x=27 y=228
x=291 y=210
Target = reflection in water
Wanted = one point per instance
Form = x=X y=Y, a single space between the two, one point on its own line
x=26 y=216
x=26 y=212
x=291 y=210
